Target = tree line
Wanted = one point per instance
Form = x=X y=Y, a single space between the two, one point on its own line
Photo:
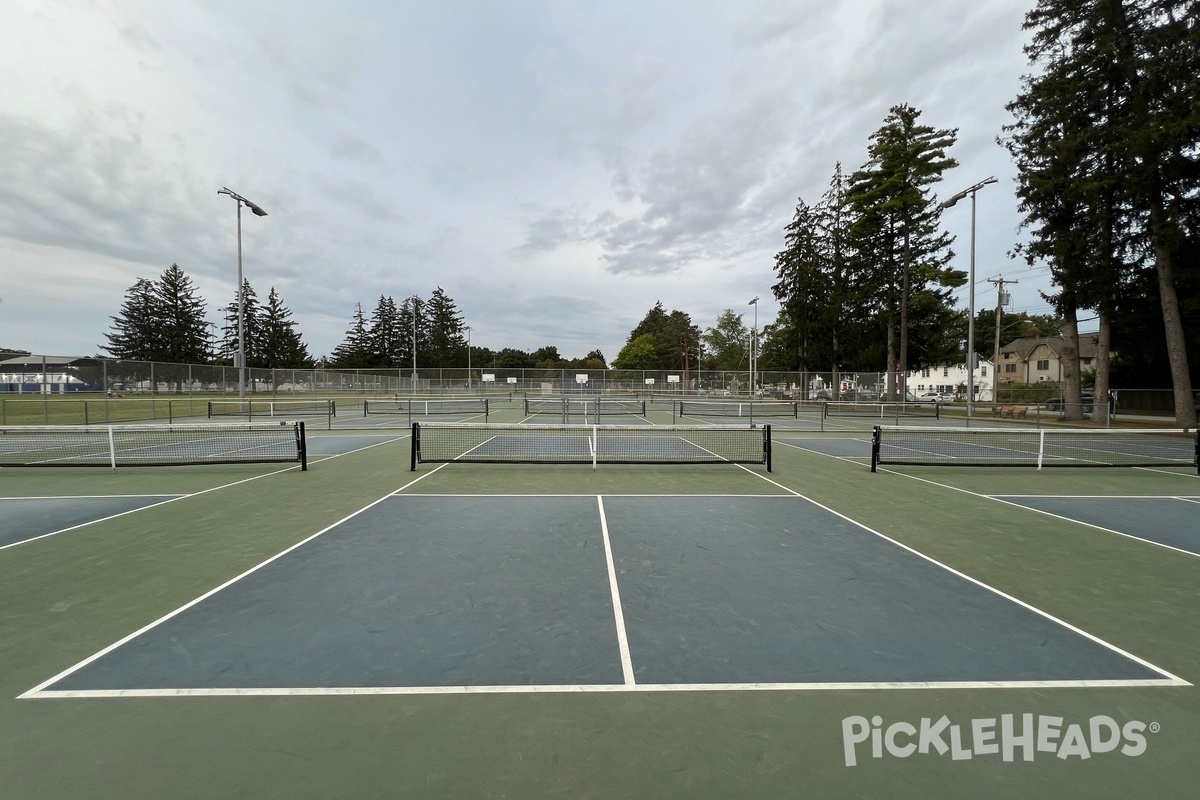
x=165 y=320
x=1106 y=140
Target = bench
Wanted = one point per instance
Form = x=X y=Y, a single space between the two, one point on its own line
x=1014 y=411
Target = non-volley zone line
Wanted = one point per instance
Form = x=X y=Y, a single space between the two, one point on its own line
x=714 y=594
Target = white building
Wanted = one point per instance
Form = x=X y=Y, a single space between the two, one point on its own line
x=952 y=380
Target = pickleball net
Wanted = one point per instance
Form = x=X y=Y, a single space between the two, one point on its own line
x=589 y=444
x=415 y=407
x=584 y=409
x=272 y=408
x=883 y=410
x=152 y=445
x=747 y=410
x=1034 y=447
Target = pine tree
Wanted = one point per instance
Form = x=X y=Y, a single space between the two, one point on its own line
x=1107 y=139
x=136 y=330
x=827 y=305
x=283 y=346
x=447 y=344
x=386 y=336
x=897 y=225
x=355 y=350
x=252 y=322
x=184 y=335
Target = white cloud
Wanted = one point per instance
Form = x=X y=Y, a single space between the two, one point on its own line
x=557 y=168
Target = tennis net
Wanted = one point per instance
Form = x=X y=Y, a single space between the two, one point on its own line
x=885 y=410
x=1040 y=447
x=272 y=408
x=590 y=444
x=151 y=445
x=718 y=408
x=422 y=408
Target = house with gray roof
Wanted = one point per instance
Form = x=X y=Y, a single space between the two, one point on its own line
x=1039 y=359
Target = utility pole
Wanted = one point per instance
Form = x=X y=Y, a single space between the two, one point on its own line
x=1002 y=299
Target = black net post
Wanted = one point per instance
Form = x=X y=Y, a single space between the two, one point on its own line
x=875 y=436
x=767 y=446
x=416 y=446
x=302 y=446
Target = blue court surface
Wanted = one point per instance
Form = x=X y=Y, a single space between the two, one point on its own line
x=424 y=593
x=1169 y=521
x=26 y=518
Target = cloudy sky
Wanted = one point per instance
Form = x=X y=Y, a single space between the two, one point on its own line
x=556 y=166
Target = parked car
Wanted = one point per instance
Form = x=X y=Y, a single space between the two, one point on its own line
x=1059 y=403
x=934 y=397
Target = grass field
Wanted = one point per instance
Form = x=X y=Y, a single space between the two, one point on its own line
x=653 y=631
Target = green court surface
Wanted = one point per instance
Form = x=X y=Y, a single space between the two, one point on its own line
x=650 y=631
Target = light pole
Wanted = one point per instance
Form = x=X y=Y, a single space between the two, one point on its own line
x=415 y=301
x=241 y=300
x=753 y=346
x=468 y=358
x=970 y=293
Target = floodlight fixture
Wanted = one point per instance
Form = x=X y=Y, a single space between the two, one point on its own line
x=241 y=300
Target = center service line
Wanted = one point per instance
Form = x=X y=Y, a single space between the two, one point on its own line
x=618 y=612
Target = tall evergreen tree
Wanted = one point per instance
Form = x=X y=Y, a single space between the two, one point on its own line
x=184 y=335
x=447 y=342
x=897 y=226
x=1107 y=140
x=355 y=350
x=137 y=329
x=283 y=346
x=825 y=302
x=414 y=332
x=252 y=318
x=386 y=337
x=162 y=320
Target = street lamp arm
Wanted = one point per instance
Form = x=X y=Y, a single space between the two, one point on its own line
x=258 y=211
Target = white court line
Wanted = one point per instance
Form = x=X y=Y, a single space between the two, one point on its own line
x=1095 y=496
x=84 y=496
x=618 y=611
x=1190 y=475
x=76 y=667
x=593 y=688
x=1001 y=499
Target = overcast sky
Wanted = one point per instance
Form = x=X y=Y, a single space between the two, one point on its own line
x=556 y=167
